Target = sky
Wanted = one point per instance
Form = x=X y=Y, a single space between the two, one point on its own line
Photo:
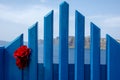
x=16 y=16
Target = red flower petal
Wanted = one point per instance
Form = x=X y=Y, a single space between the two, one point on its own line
x=22 y=56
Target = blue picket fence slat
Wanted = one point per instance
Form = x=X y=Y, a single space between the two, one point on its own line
x=48 y=46
x=113 y=59
x=33 y=45
x=1 y=63
x=95 y=52
x=79 y=46
x=11 y=70
x=63 y=41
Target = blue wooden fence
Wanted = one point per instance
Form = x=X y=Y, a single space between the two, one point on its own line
x=79 y=46
x=95 y=52
x=48 y=46
x=63 y=41
x=62 y=71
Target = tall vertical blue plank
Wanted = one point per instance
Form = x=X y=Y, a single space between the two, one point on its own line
x=12 y=72
x=48 y=46
x=113 y=59
x=33 y=45
x=79 y=46
x=95 y=52
x=1 y=63
x=63 y=43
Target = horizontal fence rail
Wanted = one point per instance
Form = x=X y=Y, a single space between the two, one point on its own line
x=62 y=70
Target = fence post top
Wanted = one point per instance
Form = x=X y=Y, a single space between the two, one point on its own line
x=64 y=3
x=19 y=37
x=93 y=26
x=78 y=13
x=50 y=13
x=33 y=26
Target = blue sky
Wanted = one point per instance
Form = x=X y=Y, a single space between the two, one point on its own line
x=16 y=16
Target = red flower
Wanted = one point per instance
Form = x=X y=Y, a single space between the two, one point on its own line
x=22 y=56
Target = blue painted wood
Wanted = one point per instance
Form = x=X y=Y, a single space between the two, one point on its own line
x=87 y=72
x=12 y=72
x=63 y=43
x=71 y=72
x=1 y=63
x=113 y=59
x=95 y=52
x=79 y=46
x=33 y=45
x=48 y=46
x=56 y=71
x=103 y=71
x=41 y=71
